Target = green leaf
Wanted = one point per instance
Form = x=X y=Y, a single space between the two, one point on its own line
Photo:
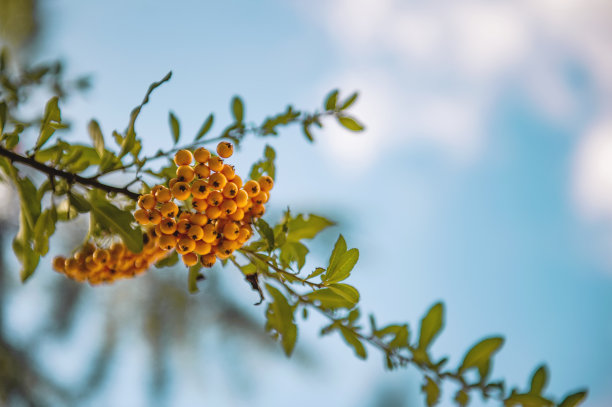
x=574 y=399
x=265 y=165
x=280 y=318
x=339 y=250
x=335 y=296
x=22 y=247
x=237 y=109
x=174 y=127
x=168 y=261
x=306 y=228
x=342 y=268
x=293 y=252
x=45 y=227
x=349 y=101
x=432 y=391
x=431 y=325
x=194 y=276
x=79 y=202
x=117 y=220
x=462 y=398
x=539 y=380
x=350 y=123
x=481 y=353
x=307 y=132
x=527 y=400
x=317 y=272
x=352 y=339
x=331 y=100
x=51 y=117
x=95 y=133
x=205 y=127
x=2 y=116
x=266 y=232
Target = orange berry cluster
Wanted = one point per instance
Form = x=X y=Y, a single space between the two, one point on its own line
x=98 y=265
x=217 y=208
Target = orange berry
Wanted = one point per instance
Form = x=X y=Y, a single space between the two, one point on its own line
x=147 y=201
x=208 y=260
x=71 y=265
x=217 y=180
x=163 y=194
x=242 y=198
x=261 y=198
x=238 y=181
x=252 y=188
x=101 y=256
x=209 y=233
x=172 y=182
x=142 y=216
x=266 y=183
x=238 y=215
x=244 y=234
x=226 y=247
x=168 y=226
x=157 y=230
x=215 y=198
x=195 y=232
x=199 y=219
x=183 y=157
x=185 y=173
x=167 y=242
x=155 y=189
x=215 y=163
x=258 y=210
x=117 y=249
x=200 y=189
x=190 y=259
x=169 y=210
x=181 y=191
x=202 y=170
x=185 y=245
x=201 y=155
x=91 y=265
x=155 y=217
x=183 y=226
x=185 y=215
x=59 y=263
x=231 y=231
x=230 y=190
x=202 y=247
x=199 y=205
x=228 y=207
x=213 y=212
x=228 y=171
x=225 y=149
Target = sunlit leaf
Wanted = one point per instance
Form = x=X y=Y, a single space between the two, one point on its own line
x=342 y=268
x=481 y=353
x=349 y=101
x=335 y=296
x=350 y=123
x=52 y=116
x=431 y=324
x=175 y=127
x=205 y=127
x=280 y=318
x=352 y=339
x=306 y=228
x=95 y=133
x=331 y=100
x=527 y=400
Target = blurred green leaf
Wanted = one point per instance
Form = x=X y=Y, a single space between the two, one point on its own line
x=462 y=398
x=352 y=339
x=194 y=276
x=280 y=318
x=432 y=391
x=539 y=380
x=237 y=109
x=481 y=353
x=431 y=325
x=168 y=261
x=2 y=116
x=527 y=400
x=335 y=296
x=293 y=252
x=95 y=133
x=118 y=221
x=350 y=123
x=44 y=229
x=317 y=272
x=331 y=100
x=349 y=101
x=205 y=127
x=79 y=202
x=306 y=228
x=174 y=127
x=574 y=399
x=266 y=232
x=307 y=132
x=265 y=165
x=342 y=268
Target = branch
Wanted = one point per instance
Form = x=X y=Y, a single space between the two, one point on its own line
x=70 y=177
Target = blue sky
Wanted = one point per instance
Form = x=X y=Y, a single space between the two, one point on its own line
x=479 y=180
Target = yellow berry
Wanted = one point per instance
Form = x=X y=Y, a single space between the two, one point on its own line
x=202 y=247
x=213 y=212
x=185 y=245
x=201 y=155
x=172 y=182
x=215 y=198
x=209 y=233
x=238 y=181
x=200 y=189
x=167 y=242
x=238 y=215
x=185 y=173
x=230 y=190
x=181 y=191
x=168 y=210
x=252 y=188
x=183 y=157
x=258 y=210
x=199 y=205
x=228 y=206
x=59 y=263
x=101 y=256
x=142 y=216
x=242 y=198
x=155 y=217
x=228 y=171
x=208 y=260
x=147 y=201
x=225 y=149
x=261 y=198
x=190 y=259
x=215 y=163
x=231 y=231
x=195 y=232
x=199 y=219
x=217 y=180
x=167 y=226
x=183 y=226
x=266 y=183
x=226 y=247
